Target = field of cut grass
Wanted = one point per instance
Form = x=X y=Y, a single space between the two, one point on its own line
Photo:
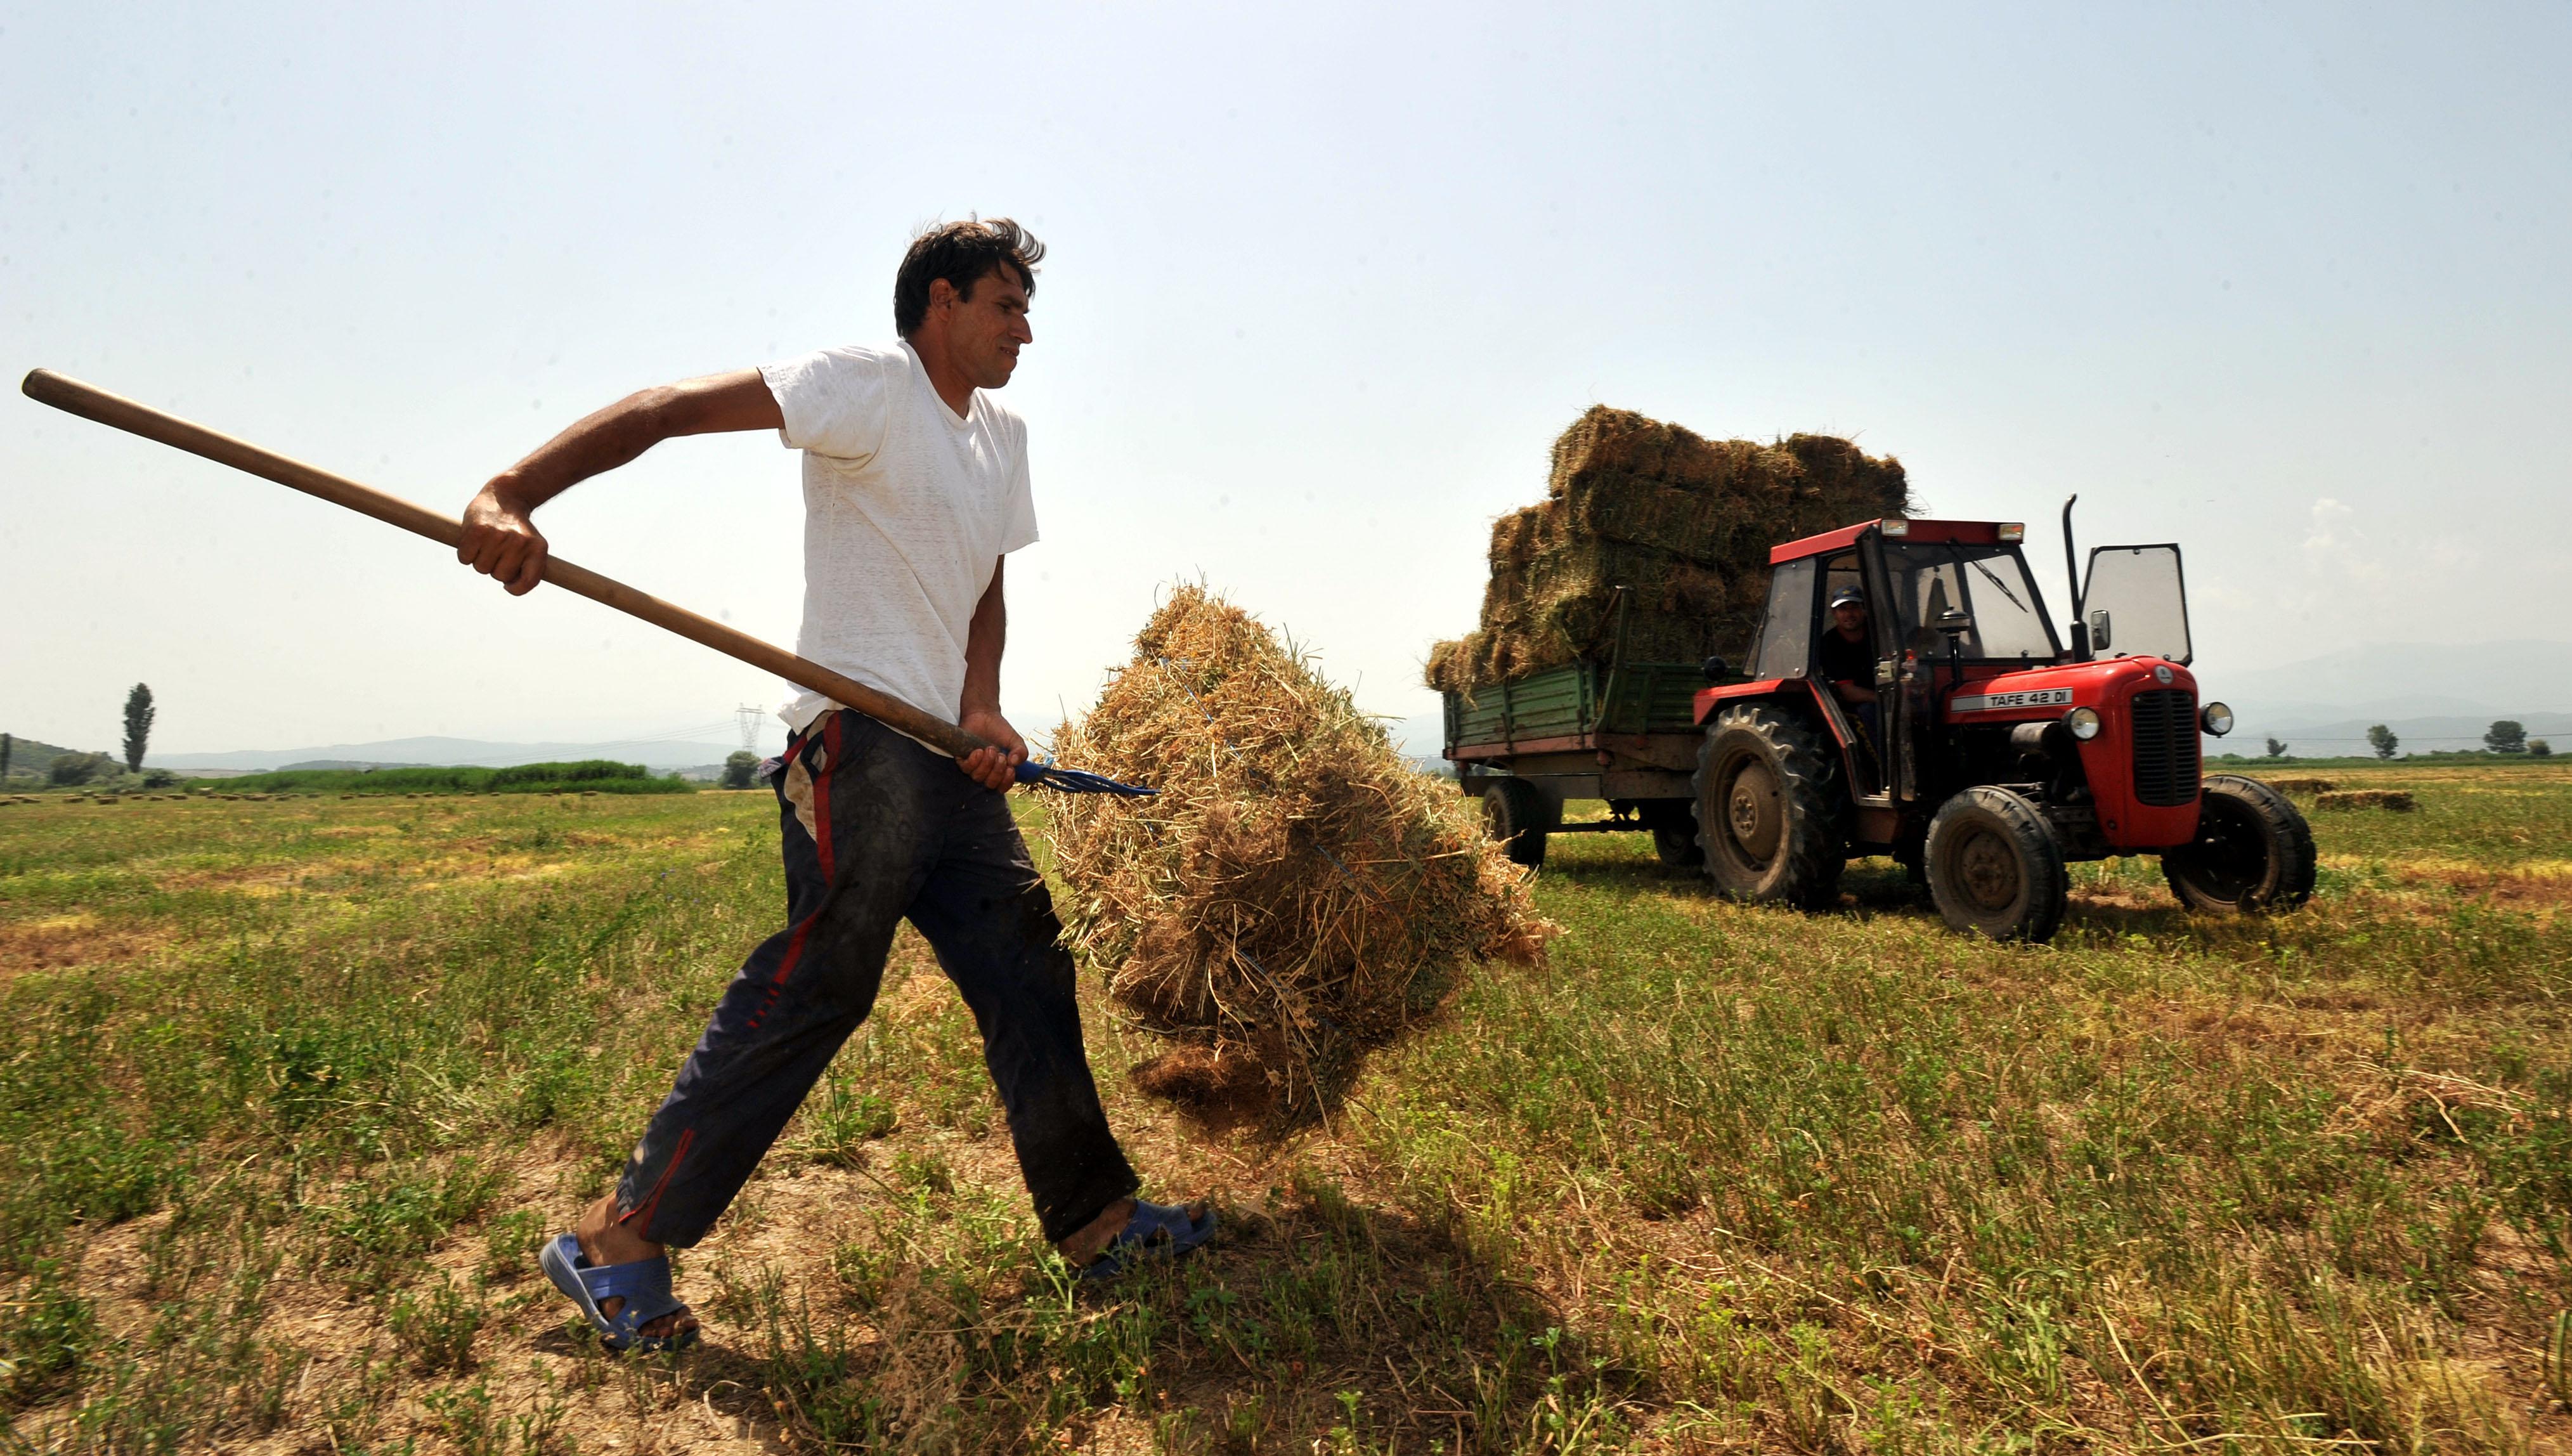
x=290 y=1088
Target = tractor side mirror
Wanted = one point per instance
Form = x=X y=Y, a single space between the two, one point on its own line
x=2099 y=630
x=1955 y=624
x=1716 y=669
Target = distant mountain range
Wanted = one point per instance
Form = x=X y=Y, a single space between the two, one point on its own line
x=658 y=755
x=2433 y=695
x=29 y=759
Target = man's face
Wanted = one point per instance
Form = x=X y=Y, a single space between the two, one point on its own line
x=985 y=331
x=1849 y=617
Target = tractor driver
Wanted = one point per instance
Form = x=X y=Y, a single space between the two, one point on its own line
x=1846 y=660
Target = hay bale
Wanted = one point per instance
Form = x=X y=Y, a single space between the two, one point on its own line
x=1685 y=522
x=2393 y=799
x=1297 y=892
x=2303 y=786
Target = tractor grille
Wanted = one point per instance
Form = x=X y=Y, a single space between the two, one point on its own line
x=2165 y=747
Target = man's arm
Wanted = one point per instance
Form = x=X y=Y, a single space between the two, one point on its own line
x=994 y=766
x=499 y=539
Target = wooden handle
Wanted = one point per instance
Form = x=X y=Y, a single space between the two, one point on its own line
x=90 y=402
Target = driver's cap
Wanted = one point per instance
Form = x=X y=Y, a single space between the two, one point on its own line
x=1847 y=596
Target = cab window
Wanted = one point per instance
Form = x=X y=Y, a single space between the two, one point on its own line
x=1786 y=636
x=1843 y=572
x=1988 y=584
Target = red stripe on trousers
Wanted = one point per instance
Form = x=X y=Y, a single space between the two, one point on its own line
x=677 y=1156
x=821 y=846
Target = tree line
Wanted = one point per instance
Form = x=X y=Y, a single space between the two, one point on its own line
x=2505 y=736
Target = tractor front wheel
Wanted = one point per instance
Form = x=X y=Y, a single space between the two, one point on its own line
x=2252 y=853
x=1768 y=809
x=1518 y=818
x=1995 y=867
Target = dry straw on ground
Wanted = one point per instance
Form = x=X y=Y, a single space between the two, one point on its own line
x=1297 y=892
x=2394 y=799
x=1683 y=523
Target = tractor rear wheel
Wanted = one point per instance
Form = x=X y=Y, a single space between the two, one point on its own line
x=2252 y=853
x=1995 y=867
x=1768 y=809
x=1518 y=818
x=1674 y=830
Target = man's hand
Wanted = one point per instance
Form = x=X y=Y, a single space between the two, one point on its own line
x=501 y=542
x=1851 y=693
x=995 y=767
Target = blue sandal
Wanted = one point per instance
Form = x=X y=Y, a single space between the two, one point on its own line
x=643 y=1286
x=1155 y=1229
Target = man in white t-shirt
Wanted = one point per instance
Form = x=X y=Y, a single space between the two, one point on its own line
x=914 y=490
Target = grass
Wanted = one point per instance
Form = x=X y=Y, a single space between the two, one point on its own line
x=290 y=1089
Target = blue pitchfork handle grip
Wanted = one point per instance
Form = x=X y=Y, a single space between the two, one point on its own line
x=1076 y=780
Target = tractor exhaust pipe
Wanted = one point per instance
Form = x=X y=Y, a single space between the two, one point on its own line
x=2072 y=580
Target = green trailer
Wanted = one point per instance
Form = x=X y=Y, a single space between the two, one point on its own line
x=1621 y=732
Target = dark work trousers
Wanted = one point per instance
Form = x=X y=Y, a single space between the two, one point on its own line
x=879 y=829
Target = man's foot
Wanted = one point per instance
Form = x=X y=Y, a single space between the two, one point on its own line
x=1081 y=1249
x=1129 y=1229
x=604 y=1241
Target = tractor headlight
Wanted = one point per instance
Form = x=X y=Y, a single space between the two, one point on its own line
x=2084 y=723
x=2216 y=718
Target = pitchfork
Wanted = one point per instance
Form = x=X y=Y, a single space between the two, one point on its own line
x=90 y=402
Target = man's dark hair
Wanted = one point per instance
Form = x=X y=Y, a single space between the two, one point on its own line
x=964 y=254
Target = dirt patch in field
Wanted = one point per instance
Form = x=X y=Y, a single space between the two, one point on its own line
x=262 y=879
x=1224 y=1093
x=59 y=941
x=2541 y=885
x=2544 y=894
x=2121 y=897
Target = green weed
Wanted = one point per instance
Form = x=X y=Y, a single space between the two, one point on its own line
x=436 y=1323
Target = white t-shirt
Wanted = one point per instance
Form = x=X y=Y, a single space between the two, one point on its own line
x=907 y=511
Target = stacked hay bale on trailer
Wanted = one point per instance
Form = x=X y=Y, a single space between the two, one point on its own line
x=1647 y=556
x=1682 y=522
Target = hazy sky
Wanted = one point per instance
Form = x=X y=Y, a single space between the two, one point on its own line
x=2288 y=285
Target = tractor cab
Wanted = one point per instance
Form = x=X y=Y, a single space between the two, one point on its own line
x=1908 y=695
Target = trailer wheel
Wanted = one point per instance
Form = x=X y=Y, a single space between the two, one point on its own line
x=2252 y=853
x=1673 y=828
x=1995 y=867
x=1518 y=818
x=1768 y=809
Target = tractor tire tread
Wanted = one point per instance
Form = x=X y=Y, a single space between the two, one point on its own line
x=1517 y=817
x=2289 y=839
x=2039 y=864
x=1816 y=840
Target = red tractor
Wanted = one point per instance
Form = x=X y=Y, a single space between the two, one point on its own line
x=1985 y=753
x=1970 y=743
